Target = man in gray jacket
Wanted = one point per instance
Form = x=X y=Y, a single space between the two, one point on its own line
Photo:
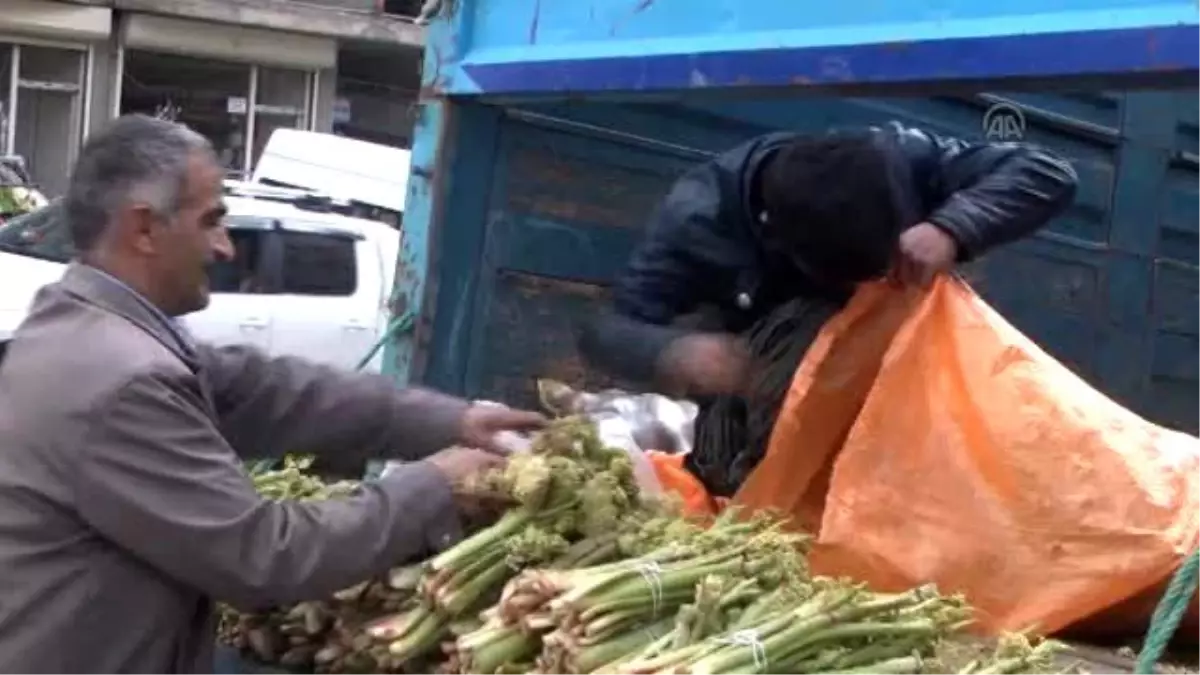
x=124 y=510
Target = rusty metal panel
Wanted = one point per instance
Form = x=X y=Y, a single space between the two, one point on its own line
x=570 y=205
x=564 y=212
x=530 y=333
x=553 y=184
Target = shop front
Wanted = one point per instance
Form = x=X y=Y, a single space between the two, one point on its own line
x=47 y=71
x=377 y=93
x=234 y=84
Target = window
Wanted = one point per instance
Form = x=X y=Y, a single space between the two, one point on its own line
x=44 y=122
x=246 y=272
x=49 y=113
x=207 y=95
x=406 y=8
x=282 y=97
x=318 y=264
x=235 y=105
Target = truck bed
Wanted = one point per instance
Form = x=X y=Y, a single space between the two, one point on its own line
x=546 y=200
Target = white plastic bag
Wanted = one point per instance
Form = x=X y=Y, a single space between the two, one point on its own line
x=653 y=421
x=613 y=430
x=634 y=423
x=616 y=432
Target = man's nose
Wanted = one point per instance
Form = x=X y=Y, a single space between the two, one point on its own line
x=223 y=248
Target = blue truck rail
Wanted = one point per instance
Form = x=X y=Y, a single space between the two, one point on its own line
x=548 y=131
x=557 y=48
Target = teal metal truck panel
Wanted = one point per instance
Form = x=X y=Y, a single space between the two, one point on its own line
x=514 y=46
x=526 y=200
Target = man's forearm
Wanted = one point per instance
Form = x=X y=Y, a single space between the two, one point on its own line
x=1021 y=194
x=156 y=478
x=275 y=553
x=278 y=405
x=628 y=348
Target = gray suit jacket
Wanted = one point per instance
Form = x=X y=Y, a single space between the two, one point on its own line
x=124 y=509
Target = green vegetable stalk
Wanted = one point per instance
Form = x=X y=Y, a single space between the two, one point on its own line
x=582 y=575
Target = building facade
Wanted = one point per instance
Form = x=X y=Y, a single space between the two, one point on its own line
x=49 y=56
x=234 y=70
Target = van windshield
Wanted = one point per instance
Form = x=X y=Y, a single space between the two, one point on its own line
x=357 y=209
x=39 y=234
x=44 y=233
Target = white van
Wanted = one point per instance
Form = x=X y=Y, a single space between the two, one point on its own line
x=373 y=177
x=305 y=281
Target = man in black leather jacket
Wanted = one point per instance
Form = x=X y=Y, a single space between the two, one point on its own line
x=788 y=215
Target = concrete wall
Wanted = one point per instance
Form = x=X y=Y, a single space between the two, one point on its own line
x=392 y=45
x=104 y=91
x=353 y=5
x=379 y=117
x=296 y=17
x=326 y=93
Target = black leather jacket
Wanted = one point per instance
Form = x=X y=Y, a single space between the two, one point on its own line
x=703 y=247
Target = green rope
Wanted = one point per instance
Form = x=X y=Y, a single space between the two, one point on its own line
x=1169 y=613
x=395 y=328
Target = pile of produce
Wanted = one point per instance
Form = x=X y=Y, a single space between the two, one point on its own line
x=581 y=574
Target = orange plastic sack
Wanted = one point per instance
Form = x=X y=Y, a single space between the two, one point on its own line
x=674 y=477
x=926 y=439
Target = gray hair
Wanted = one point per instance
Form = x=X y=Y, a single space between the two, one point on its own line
x=136 y=158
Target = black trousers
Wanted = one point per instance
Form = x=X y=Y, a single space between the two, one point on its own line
x=732 y=432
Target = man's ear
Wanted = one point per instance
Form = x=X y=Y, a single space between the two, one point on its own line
x=140 y=228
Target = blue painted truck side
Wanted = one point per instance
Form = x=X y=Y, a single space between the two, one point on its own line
x=526 y=201
x=594 y=46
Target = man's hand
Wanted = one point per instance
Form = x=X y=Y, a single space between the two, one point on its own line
x=482 y=422
x=704 y=364
x=924 y=251
x=459 y=465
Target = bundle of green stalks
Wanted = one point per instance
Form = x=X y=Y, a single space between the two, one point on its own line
x=294 y=636
x=293 y=481
x=1014 y=653
x=566 y=488
x=580 y=574
x=325 y=635
x=839 y=627
x=728 y=598
x=611 y=590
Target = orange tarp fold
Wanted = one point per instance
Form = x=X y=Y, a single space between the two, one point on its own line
x=926 y=439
